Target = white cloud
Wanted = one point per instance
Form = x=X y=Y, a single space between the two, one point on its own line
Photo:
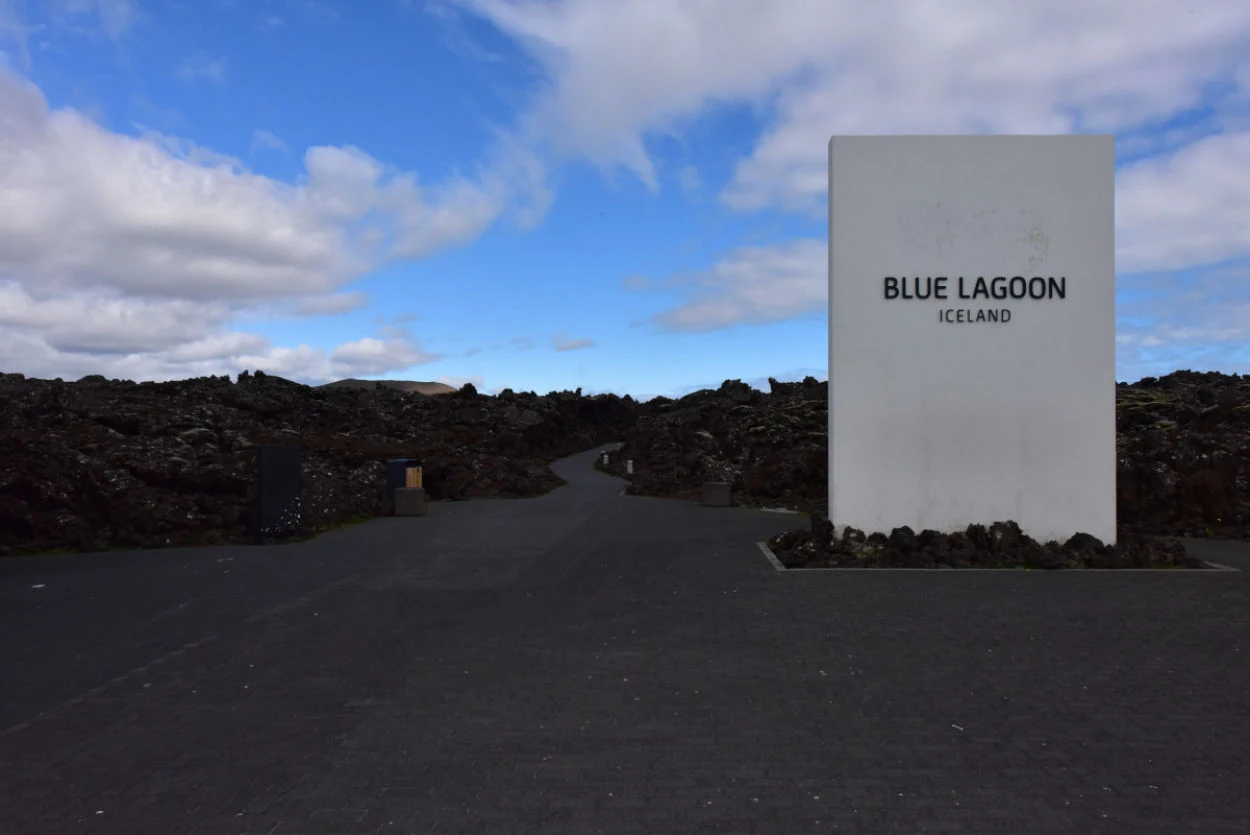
x=460 y=212
x=142 y=339
x=1182 y=212
x=201 y=65
x=111 y=18
x=220 y=346
x=753 y=285
x=93 y=323
x=624 y=67
x=403 y=319
x=562 y=344
x=314 y=11
x=620 y=70
x=114 y=17
x=1185 y=210
x=116 y=250
x=165 y=119
x=375 y=356
x=1119 y=69
x=262 y=139
x=637 y=282
x=12 y=30
x=456 y=35
x=620 y=73
x=1148 y=142
x=217 y=354
x=330 y=304
x=688 y=178
x=1200 y=323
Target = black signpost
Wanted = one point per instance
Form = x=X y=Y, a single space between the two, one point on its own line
x=279 y=496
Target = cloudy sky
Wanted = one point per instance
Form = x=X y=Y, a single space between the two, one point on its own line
x=623 y=195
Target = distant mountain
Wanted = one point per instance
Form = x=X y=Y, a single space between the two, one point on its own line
x=398 y=385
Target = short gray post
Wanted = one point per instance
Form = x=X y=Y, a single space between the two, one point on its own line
x=716 y=493
x=629 y=467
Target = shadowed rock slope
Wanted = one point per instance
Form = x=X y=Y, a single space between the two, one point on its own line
x=1183 y=445
x=99 y=464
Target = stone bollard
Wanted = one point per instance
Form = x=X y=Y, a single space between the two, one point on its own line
x=410 y=501
x=629 y=467
x=716 y=493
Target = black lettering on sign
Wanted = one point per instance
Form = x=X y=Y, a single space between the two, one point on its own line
x=1001 y=287
x=968 y=316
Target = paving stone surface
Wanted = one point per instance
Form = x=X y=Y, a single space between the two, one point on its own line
x=587 y=662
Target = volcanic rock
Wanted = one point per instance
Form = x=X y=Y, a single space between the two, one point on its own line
x=1183 y=446
x=769 y=447
x=1001 y=545
x=1184 y=455
x=99 y=464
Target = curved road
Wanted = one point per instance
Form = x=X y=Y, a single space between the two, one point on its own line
x=589 y=662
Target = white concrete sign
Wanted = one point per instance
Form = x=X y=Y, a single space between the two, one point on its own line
x=972 y=333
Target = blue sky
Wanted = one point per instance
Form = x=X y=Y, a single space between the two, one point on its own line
x=623 y=196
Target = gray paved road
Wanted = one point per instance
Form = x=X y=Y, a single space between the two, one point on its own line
x=586 y=662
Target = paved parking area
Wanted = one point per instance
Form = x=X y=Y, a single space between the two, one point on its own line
x=587 y=662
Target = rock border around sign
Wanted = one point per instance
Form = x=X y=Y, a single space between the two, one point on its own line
x=1000 y=546
x=781 y=569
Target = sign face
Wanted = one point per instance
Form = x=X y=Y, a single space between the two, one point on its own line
x=972 y=333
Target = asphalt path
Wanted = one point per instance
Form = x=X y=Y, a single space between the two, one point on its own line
x=591 y=662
